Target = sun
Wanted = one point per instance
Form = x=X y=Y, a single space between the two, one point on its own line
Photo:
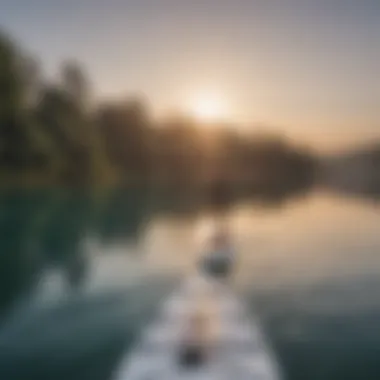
x=208 y=107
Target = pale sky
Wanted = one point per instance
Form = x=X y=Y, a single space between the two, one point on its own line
x=308 y=67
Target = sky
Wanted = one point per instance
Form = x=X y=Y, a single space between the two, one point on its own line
x=309 y=68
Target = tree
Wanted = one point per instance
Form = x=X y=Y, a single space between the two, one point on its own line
x=125 y=130
x=64 y=123
x=15 y=141
x=32 y=81
x=75 y=83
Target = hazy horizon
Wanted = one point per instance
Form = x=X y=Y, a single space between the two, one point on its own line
x=307 y=70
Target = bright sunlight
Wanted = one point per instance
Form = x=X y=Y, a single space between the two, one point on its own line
x=208 y=107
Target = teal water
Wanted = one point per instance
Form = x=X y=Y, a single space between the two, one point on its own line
x=81 y=274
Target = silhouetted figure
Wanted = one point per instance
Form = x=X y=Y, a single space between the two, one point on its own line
x=193 y=352
x=220 y=260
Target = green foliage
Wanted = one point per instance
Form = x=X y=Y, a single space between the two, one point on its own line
x=10 y=83
x=124 y=128
x=51 y=133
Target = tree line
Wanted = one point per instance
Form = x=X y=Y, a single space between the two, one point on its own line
x=52 y=132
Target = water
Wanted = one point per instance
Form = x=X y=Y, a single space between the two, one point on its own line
x=82 y=274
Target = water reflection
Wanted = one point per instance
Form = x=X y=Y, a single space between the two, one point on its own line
x=45 y=232
x=122 y=215
x=76 y=262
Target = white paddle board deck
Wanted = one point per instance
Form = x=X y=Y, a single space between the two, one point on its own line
x=237 y=350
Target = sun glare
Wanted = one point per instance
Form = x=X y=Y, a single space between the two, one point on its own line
x=208 y=108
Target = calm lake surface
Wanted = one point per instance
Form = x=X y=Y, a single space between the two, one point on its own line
x=81 y=275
